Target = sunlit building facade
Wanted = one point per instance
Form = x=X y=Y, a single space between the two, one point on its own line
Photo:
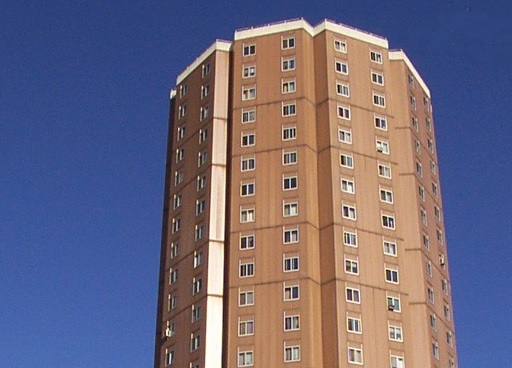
x=303 y=222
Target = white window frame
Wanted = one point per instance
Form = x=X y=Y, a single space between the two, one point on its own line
x=288 y=109
x=396 y=361
x=347 y=160
x=290 y=182
x=248 y=93
x=343 y=112
x=393 y=303
x=287 y=64
x=203 y=135
x=351 y=265
x=341 y=67
x=247 y=189
x=287 y=42
x=245 y=327
x=245 y=358
x=248 y=49
x=349 y=212
x=248 y=139
x=291 y=292
x=247 y=164
x=247 y=215
x=289 y=132
x=290 y=209
x=350 y=238
x=391 y=275
x=380 y=122
x=342 y=89
x=388 y=221
x=377 y=78
x=246 y=268
x=348 y=185
x=352 y=295
x=291 y=322
x=386 y=195
x=248 y=116
x=384 y=171
x=376 y=56
x=247 y=242
x=245 y=298
x=354 y=325
x=340 y=45
x=289 y=157
x=288 y=86
x=290 y=236
x=382 y=146
x=345 y=135
x=290 y=263
x=248 y=71
x=291 y=353
x=355 y=355
x=390 y=245
x=395 y=333
x=379 y=99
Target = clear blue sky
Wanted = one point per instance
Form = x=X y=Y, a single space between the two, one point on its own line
x=83 y=121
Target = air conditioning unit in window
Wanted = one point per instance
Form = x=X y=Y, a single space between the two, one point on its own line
x=441 y=260
x=391 y=307
x=168 y=332
x=380 y=149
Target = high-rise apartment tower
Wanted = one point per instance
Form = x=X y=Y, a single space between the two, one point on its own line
x=303 y=221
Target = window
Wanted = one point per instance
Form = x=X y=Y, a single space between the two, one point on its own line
x=391 y=275
x=412 y=100
x=199 y=232
x=428 y=268
x=350 y=239
x=248 y=93
x=388 y=221
x=381 y=122
x=175 y=250
x=430 y=145
x=290 y=264
x=247 y=189
x=245 y=359
x=390 y=248
x=348 y=212
x=205 y=70
x=203 y=135
x=249 y=50
x=248 y=139
x=247 y=242
x=180 y=154
x=386 y=196
x=351 y=266
x=177 y=201
x=288 y=64
x=379 y=100
x=205 y=90
x=439 y=236
x=181 y=132
x=246 y=269
x=342 y=89
x=376 y=57
x=173 y=275
x=444 y=286
x=173 y=302
x=290 y=236
x=246 y=328
x=290 y=158
x=198 y=258
x=249 y=71
x=426 y=241
x=414 y=121
x=393 y=303
x=348 y=186
x=352 y=295
x=204 y=112
x=419 y=169
x=341 y=67
x=433 y=167
x=431 y=294
x=449 y=338
x=437 y=213
x=423 y=215
x=417 y=146
x=179 y=176
x=428 y=124
x=292 y=353
x=248 y=116
x=434 y=189
x=289 y=133
x=290 y=209
x=451 y=363
x=344 y=112
x=202 y=158
x=354 y=325
x=340 y=46
x=290 y=182
x=384 y=171
x=287 y=43
x=183 y=90
x=355 y=355
x=291 y=293
x=346 y=160
x=289 y=109
x=170 y=329
x=291 y=323
x=247 y=164
x=433 y=321
x=176 y=225
x=197 y=284
x=395 y=333
x=182 y=111
x=410 y=80
x=247 y=215
x=169 y=357
x=421 y=192
x=397 y=362
x=447 y=313
x=288 y=86
x=378 y=78
x=435 y=349
x=245 y=298
x=382 y=146
x=195 y=342
x=345 y=136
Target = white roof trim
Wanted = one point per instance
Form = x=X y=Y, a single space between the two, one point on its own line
x=218 y=45
x=400 y=55
x=289 y=25
x=266 y=29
